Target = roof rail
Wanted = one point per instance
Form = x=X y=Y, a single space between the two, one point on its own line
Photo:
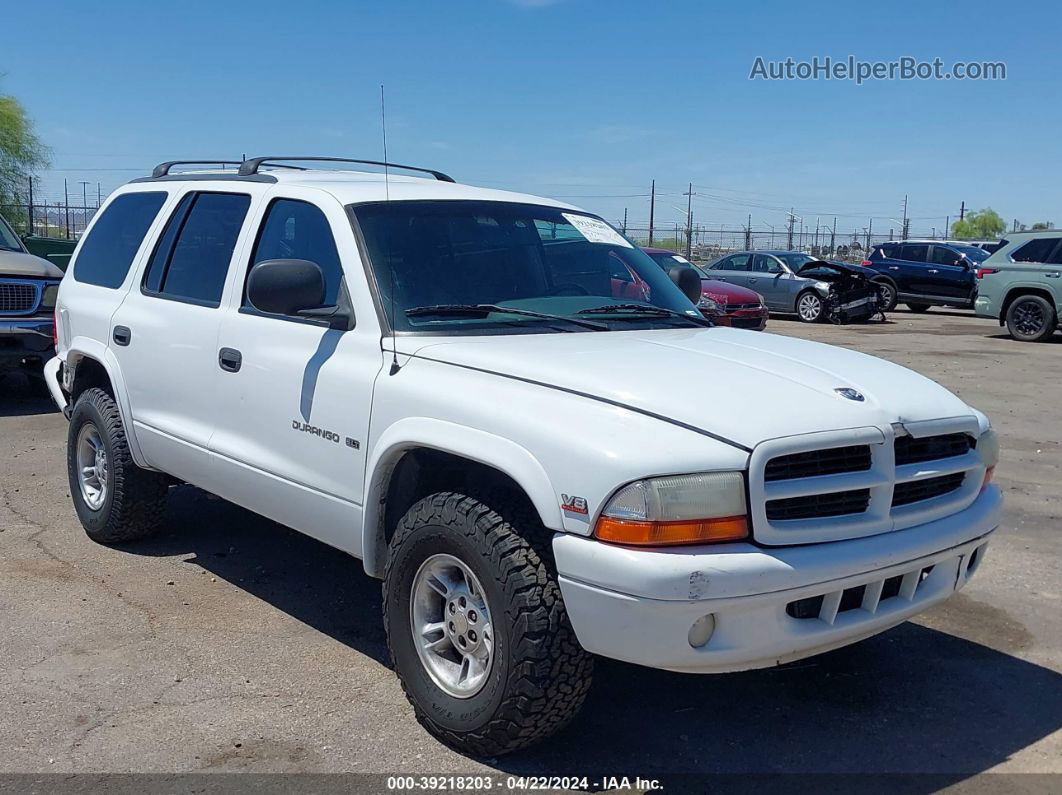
x=163 y=169
x=252 y=165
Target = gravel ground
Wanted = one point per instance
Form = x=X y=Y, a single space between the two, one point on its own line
x=229 y=643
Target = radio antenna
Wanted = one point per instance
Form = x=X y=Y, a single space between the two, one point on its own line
x=390 y=261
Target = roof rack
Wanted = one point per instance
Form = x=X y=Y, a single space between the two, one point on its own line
x=163 y=169
x=251 y=166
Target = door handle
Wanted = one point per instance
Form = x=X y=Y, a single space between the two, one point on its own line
x=894 y=267
x=1053 y=275
x=121 y=335
x=230 y=359
x=752 y=279
x=933 y=270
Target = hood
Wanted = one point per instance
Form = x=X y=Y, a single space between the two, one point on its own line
x=16 y=263
x=743 y=386
x=726 y=293
x=832 y=271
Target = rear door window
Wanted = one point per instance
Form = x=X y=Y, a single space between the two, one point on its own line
x=942 y=255
x=1038 y=250
x=108 y=250
x=192 y=258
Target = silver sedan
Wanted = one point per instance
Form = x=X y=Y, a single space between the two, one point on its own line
x=773 y=275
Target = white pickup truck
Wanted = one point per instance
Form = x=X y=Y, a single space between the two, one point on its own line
x=517 y=420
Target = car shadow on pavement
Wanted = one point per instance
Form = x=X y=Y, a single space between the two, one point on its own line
x=912 y=700
x=22 y=395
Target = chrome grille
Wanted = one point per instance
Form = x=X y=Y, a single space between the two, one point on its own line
x=18 y=298
x=856 y=482
x=737 y=307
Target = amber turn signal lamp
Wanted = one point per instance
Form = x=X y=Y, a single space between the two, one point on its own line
x=686 y=531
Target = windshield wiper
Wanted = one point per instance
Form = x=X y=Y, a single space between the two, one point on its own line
x=642 y=310
x=486 y=309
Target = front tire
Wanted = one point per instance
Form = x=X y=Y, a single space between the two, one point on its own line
x=115 y=499
x=888 y=294
x=809 y=306
x=1031 y=318
x=476 y=626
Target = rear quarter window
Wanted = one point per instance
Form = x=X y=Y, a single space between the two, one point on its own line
x=108 y=250
x=1038 y=250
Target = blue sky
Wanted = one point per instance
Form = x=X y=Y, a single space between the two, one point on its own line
x=572 y=98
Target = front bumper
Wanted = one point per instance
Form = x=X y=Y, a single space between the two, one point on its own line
x=25 y=341
x=639 y=605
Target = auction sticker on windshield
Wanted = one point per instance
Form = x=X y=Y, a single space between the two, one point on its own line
x=595 y=230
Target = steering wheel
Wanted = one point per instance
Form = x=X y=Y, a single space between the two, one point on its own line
x=569 y=288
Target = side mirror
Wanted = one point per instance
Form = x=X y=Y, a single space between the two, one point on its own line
x=286 y=286
x=293 y=287
x=688 y=280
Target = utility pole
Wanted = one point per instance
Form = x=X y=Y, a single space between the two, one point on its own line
x=624 y=221
x=689 y=222
x=66 y=206
x=789 y=238
x=962 y=211
x=947 y=226
x=99 y=196
x=652 y=209
x=870 y=233
x=748 y=235
x=905 y=224
x=29 y=210
x=833 y=236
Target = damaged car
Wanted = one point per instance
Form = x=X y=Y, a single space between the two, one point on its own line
x=851 y=296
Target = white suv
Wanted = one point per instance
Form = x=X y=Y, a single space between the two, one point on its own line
x=456 y=386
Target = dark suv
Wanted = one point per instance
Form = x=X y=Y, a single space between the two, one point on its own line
x=926 y=273
x=28 y=287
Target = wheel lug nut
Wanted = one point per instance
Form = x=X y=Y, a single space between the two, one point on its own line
x=472 y=615
x=452 y=627
x=472 y=635
x=461 y=601
x=452 y=608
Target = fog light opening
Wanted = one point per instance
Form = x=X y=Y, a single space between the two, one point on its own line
x=701 y=631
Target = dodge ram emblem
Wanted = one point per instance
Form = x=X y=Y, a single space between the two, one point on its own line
x=851 y=394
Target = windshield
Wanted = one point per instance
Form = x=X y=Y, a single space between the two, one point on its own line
x=972 y=253
x=795 y=261
x=8 y=239
x=440 y=260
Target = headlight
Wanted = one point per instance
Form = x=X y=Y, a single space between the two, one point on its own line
x=680 y=509
x=988 y=449
x=48 y=297
x=707 y=304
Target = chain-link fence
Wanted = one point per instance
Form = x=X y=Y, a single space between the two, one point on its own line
x=54 y=219
x=707 y=243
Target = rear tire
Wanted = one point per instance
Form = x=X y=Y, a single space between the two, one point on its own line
x=532 y=676
x=116 y=501
x=809 y=306
x=918 y=308
x=1031 y=318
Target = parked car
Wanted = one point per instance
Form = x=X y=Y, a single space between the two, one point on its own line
x=773 y=274
x=726 y=304
x=925 y=273
x=1021 y=285
x=28 y=288
x=438 y=379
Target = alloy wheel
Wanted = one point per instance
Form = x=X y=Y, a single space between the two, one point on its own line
x=451 y=625
x=92 y=469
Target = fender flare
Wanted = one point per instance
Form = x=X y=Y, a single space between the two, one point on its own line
x=449 y=437
x=86 y=348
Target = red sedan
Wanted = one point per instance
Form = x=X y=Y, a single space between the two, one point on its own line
x=726 y=304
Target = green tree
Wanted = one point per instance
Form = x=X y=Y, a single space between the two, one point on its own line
x=21 y=152
x=1041 y=226
x=982 y=224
